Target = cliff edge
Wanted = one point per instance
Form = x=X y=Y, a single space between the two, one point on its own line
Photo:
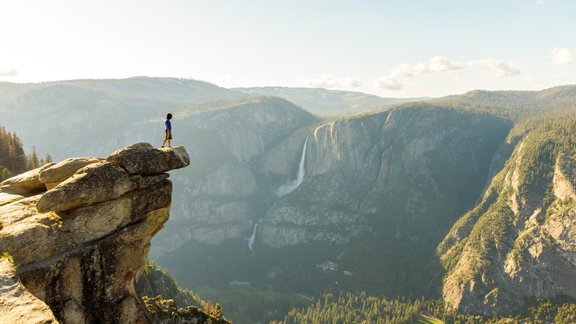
x=79 y=232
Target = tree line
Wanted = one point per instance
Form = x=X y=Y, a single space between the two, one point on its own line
x=13 y=159
x=361 y=308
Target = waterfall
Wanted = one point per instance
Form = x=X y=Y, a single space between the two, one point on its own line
x=253 y=237
x=287 y=188
x=284 y=190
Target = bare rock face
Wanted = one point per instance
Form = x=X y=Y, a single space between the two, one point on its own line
x=80 y=246
x=94 y=183
x=25 y=183
x=17 y=305
x=63 y=170
x=519 y=242
x=144 y=159
x=393 y=166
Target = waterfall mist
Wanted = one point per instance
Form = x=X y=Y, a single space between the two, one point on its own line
x=292 y=185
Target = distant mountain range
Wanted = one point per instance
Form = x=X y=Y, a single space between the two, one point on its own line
x=323 y=102
x=293 y=192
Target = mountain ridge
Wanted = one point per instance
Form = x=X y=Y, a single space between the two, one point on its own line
x=516 y=243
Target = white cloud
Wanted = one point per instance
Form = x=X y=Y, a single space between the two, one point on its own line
x=327 y=81
x=388 y=84
x=561 y=56
x=11 y=72
x=539 y=3
x=499 y=68
x=441 y=65
x=437 y=64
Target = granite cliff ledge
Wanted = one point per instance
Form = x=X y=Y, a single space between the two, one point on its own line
x=79 y=233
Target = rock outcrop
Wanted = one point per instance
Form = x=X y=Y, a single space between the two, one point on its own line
x=52 y=175
x=518 y=243
x=26 y=183
x=79 y=246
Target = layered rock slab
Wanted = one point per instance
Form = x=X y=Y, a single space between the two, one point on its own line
x=25 y=183
x=143 y=159
x=80 y=246
x=53 y=175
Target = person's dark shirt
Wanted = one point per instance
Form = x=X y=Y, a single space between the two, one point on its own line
x=168 y=124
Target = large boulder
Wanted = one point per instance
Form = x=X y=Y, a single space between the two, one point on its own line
x=6 y=198
x=17 y=305
x=92 y=184
x=27 y=183
x=144 y=159
x=80 y=246
x=63 y=170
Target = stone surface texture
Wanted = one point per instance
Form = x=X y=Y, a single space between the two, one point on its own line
x=25 y=183
x=143 y=159
x=17 y=305
x=63 y=170
x=79 y=247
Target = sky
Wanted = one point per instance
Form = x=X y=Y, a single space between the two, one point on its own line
x=391 y=48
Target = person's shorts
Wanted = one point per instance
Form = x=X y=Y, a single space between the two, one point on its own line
x=168 y=134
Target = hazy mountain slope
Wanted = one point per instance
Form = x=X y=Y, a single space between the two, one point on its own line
x=156 y=281
x=68 y=120
x=168 y=89
x=71 y=118
x=513 y=104
x=379 y=192
x=325 y=102
x=76 y=117
x=411 y=166
x=228 y=188
x=172 y=90
x=519 y=241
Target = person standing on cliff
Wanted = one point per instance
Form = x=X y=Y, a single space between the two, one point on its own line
x=168 y=130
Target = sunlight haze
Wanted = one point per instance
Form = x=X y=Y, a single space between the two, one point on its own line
x=387 y=48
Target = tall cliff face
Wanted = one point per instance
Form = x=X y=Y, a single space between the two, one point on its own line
x=379 y=193
x=241 y=154
x=393 y=174
x=79 y=246
x=517 y=244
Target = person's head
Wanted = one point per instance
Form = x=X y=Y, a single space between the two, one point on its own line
x=169 y=116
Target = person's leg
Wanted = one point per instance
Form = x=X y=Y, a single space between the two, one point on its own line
x=166 y=138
